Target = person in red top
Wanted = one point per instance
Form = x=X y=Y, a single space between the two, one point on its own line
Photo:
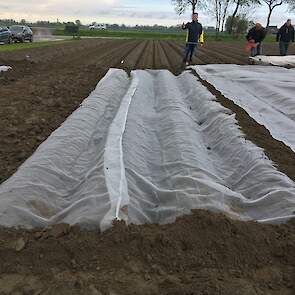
x=255 y=37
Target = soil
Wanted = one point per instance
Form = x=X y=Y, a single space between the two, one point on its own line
x=203 y=253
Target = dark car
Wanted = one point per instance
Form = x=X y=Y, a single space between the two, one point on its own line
x=21 y=33
x=5 y=35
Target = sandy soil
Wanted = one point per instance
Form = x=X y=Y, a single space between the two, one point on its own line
x=204 y=253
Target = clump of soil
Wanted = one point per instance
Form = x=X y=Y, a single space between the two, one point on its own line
x=203 y=253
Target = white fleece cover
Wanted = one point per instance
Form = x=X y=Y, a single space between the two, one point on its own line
x=283 y=61
x=5 y=68
x=266 y=93
x=145 y=149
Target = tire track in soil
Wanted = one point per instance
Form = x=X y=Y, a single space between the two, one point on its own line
x=59 y=55
x=225 y=58
x=142 y=55
x=115 y=56
x=147 y=59
x=174 y=60
x=161 y=61
x=60 y=62
x=154 y=54
x=238 y=55
x=133 y=58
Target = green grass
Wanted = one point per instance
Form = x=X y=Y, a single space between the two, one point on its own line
x=224 y=37
x=19 y=46
x=125 y=34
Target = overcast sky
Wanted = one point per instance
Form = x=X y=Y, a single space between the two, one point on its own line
x=129 y=12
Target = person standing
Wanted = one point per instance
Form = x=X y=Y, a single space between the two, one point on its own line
x=255 y=37
x=284 y=36
x=194 y=36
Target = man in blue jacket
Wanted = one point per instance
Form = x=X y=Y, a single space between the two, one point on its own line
x=285 y=35
x=194 y=36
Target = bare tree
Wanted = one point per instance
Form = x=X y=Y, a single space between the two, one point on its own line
x=224 y=13
x=219 y=9
x=182 y=5
x=238 y=26
x=238 y=5
x=272 y=4
x=291 y=4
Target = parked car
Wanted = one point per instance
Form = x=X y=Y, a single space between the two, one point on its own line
x=98 y=27
x=21 y=33
x=5 y=35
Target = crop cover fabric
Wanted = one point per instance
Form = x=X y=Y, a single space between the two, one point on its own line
x=4 y=68
x=283 y=61
x=267 y=94
x=145 y=148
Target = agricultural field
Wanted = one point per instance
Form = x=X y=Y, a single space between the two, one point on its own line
x=54 y=80
x=149 y=35
x=202 y=253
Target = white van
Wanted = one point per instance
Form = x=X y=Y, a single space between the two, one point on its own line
x=98 y=27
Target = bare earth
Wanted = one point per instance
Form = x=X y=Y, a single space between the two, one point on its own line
x=204 y=253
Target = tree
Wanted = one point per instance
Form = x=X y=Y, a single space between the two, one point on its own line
x=242 y=25
x=237 y=25
x=272 y=4
x=78 y=23
x=239 y=4
x=182 y=5
x=224 y=13
x=291 y=4
x=231 y=24
x=218 y=9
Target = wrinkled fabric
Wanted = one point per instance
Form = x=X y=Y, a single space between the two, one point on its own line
x=283 y=61
x=145 y=148
x=265 y=93
x=4 y=68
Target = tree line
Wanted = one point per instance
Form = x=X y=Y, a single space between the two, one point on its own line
x=231 y=15
x=112 y=27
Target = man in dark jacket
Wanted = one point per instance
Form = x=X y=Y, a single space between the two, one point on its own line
x=194 y=36
x=285 y=35
x=255 y=36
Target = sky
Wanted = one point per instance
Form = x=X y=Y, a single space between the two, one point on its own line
x=128 y=12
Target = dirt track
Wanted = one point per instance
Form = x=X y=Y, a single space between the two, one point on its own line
x=200 y=254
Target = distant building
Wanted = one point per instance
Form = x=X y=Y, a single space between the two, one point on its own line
x=209 y=29
x=273 y=29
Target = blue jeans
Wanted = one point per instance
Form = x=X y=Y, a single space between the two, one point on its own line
x=189 y=51
x=284 y=48
x=256 y=50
